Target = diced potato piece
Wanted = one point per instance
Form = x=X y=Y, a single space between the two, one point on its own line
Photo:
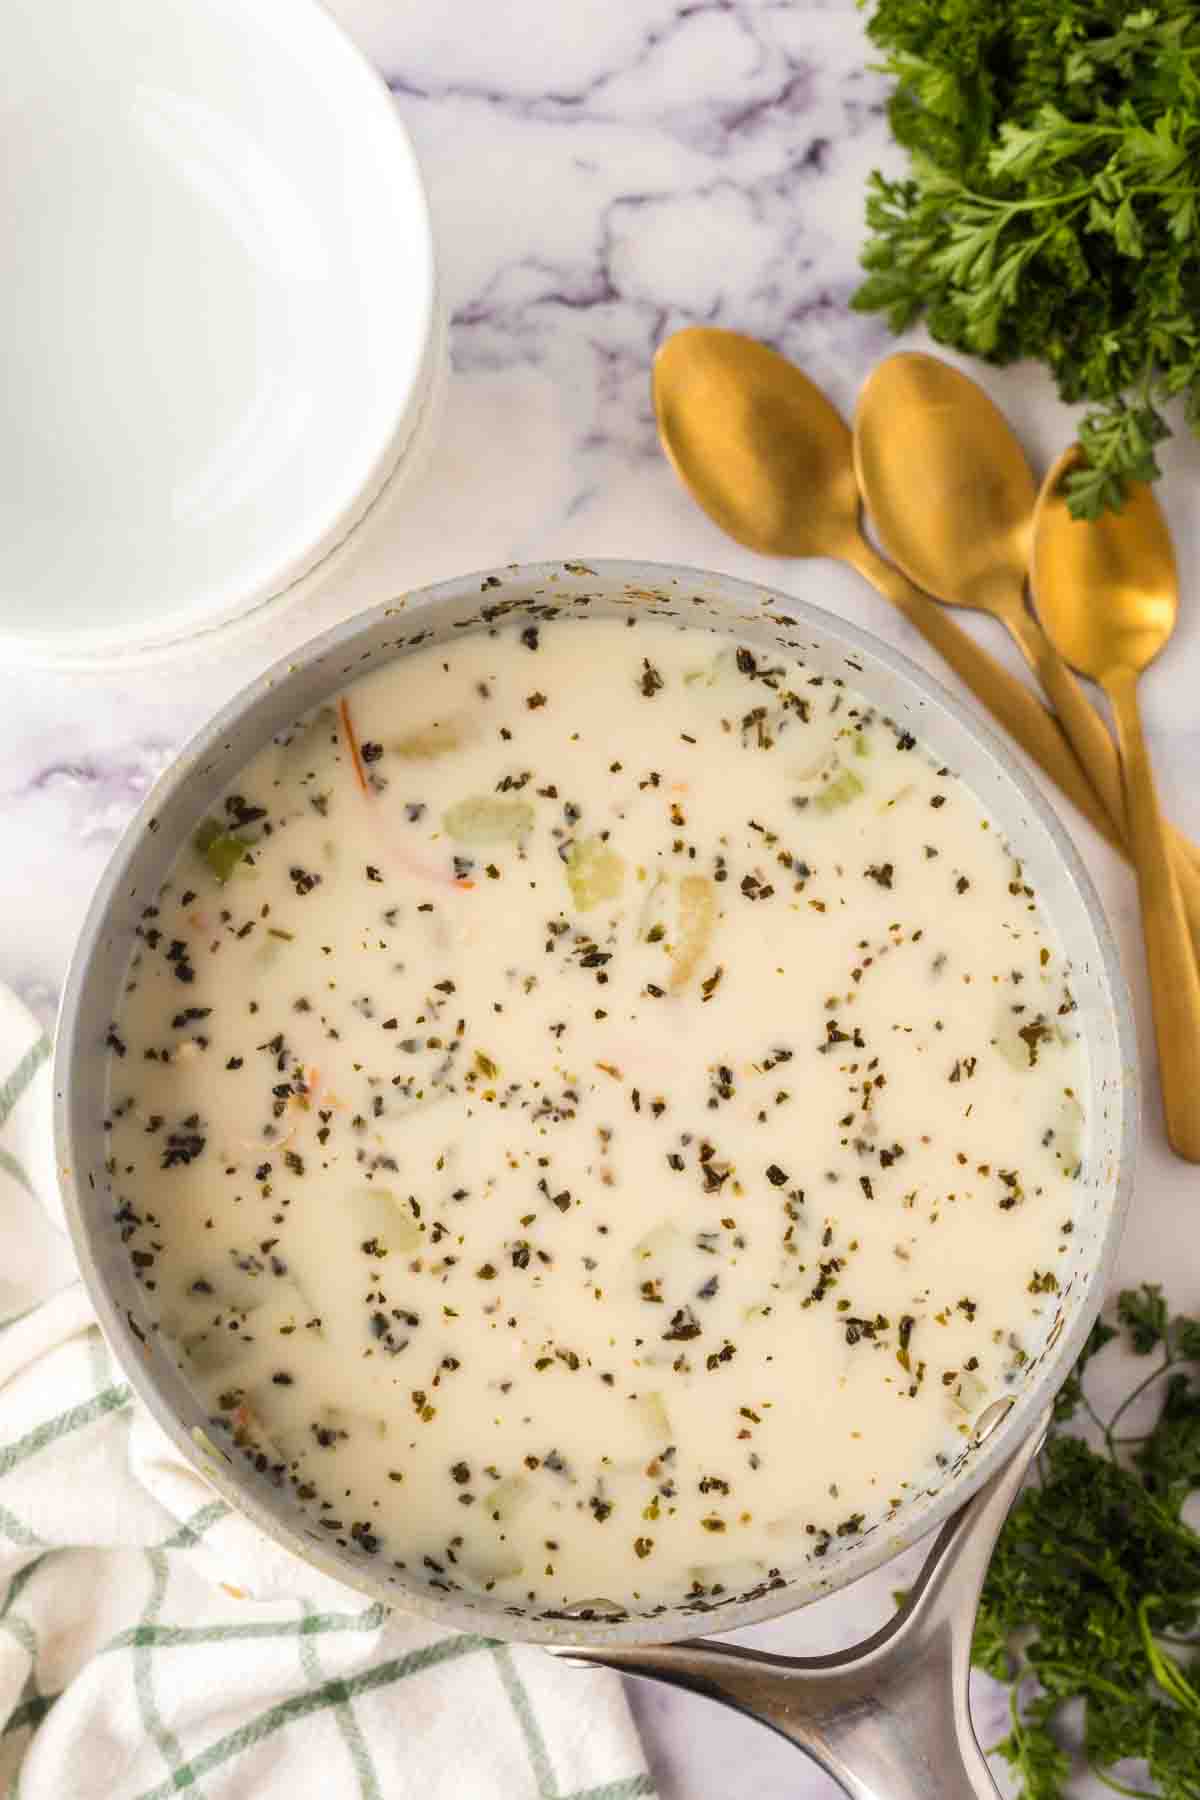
x=664 y=1237
x=508 y=1498
x=289 y=1439
x=651 y=1412
x=595 y=872
x=1066 y=1146
x=250 y=1292
x=969 y=1393
x=488 y=819
x=486 y=1566
x=308 y=743
x=381 y=1216
x=268 y=1305
x=212 y=1352
x=227 y=1288
x=353 y=1422
x=697 y=917
x=294 y=1436
x=722 y=665
x=285 y=1304
x=438 y=738
x=812 y=771
x=407 y=1232
x=1008 y=1045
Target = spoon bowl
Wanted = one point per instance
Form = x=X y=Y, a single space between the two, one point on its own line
x=1108 y=595
x=946 y=482
x=756 y=443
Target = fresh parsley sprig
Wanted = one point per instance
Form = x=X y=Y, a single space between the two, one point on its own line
x=1053 y=205
x=1093 y=1593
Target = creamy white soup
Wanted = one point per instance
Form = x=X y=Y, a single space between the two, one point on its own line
x=596 y=1110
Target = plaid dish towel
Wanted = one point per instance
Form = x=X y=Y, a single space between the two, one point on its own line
x=153 y=1642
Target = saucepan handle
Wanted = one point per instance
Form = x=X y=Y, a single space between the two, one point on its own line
x=888 y=1718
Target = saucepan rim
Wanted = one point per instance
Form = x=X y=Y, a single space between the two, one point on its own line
x=88 y=1221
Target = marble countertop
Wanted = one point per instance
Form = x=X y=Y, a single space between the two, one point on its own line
x=601 y=174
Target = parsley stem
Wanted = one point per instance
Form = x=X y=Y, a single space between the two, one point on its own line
x=1012 y=207
x=1089 y=1681
x=1119 y=1787
x=1093 y=1415
x=1166 y=1671
x=1109 y=1438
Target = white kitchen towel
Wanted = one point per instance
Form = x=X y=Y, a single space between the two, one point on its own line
x=153 y=1642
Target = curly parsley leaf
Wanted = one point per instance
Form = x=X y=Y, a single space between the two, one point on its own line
x=1053 y=205
x=1093 y=1594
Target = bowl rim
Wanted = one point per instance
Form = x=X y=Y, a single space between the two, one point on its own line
x=634 y=577
x=321 y=47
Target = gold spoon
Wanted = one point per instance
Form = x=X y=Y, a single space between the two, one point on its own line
x=771 y=461
x=1107 y=592
x=952 y=497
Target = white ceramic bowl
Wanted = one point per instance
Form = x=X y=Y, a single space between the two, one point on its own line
x=217 y=314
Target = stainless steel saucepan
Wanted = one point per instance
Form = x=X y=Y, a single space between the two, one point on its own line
x=888 y=1719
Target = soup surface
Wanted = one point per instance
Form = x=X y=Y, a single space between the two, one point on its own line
x=597 y=1110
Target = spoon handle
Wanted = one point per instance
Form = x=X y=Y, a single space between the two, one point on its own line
x=1174 y=982
x=1095 y=748
x=1008 y=700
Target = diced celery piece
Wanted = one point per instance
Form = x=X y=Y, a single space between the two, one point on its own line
x=488 y=819
x=839 y=792
x=219 y=848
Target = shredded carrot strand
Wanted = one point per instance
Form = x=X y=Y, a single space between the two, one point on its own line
x=356 y=757
x=352 y=741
